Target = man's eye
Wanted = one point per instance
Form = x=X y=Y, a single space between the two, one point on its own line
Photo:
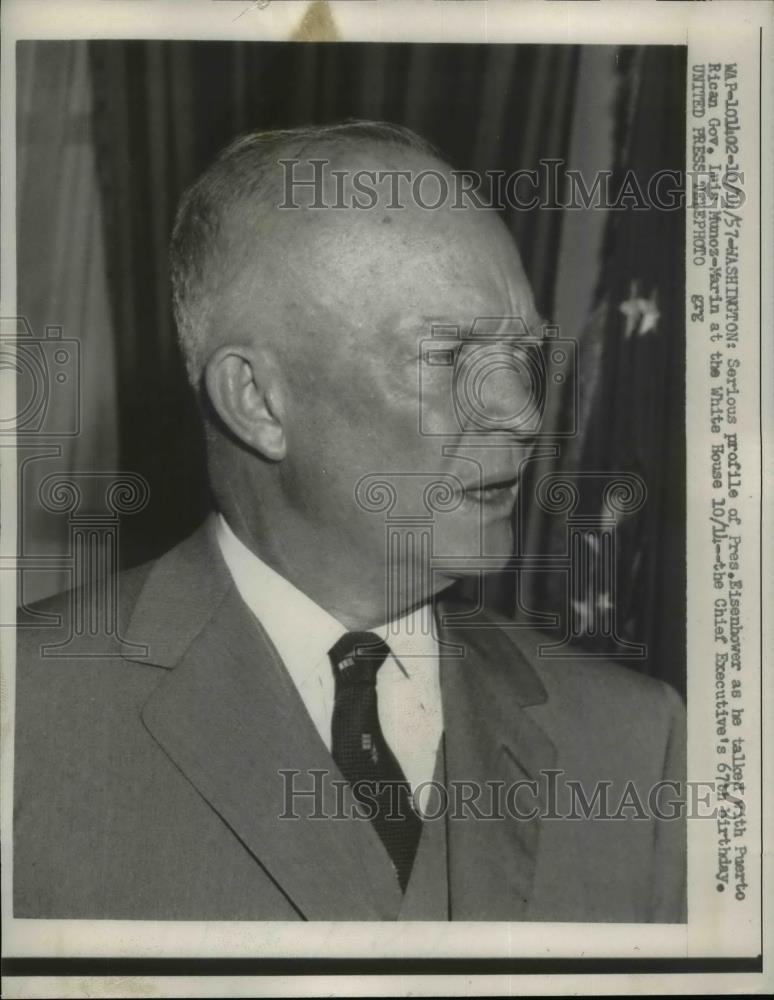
x=440 y=356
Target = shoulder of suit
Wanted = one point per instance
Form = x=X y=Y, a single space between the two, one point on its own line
x=44 y=627
x=82 y=637
x=579 y=679
x=128 y=584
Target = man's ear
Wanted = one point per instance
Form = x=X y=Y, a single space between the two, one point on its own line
x=245 y=391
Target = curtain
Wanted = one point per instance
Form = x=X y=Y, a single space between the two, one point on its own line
x=631 y=383
x=641 y=378
x=63 y=303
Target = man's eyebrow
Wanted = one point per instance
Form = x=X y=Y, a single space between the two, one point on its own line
x=445 y=322
x=451 y=322
x=428 y=324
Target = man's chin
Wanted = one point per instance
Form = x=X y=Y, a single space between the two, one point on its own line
x=472 y=572
x=460 y=567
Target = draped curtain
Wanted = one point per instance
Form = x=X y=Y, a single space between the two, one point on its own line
x=62 y=291
x=153 y=114
x=631 y=386
x=640 y=379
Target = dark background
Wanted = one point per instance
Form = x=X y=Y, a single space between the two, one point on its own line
x=111 y=132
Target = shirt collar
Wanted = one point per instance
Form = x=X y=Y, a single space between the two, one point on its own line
x=302 y=631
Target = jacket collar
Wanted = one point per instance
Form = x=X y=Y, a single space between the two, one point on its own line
x=182 y=592
x=492 y=744
x=228 y=715
x=186 y=586
x=230 y=718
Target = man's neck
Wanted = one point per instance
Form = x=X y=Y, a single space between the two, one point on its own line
x=357 y=603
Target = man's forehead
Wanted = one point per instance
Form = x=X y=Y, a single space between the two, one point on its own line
x=420 y=255
x=474 y=320
x=409 y=244
x=365 y=265
x=402 y=189
x=337 y=191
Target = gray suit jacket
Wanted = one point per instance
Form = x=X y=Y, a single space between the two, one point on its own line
x=149 y=785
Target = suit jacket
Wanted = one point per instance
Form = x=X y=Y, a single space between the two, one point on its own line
x=149 y=772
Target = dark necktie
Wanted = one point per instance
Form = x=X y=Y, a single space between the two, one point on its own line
x=362 y=753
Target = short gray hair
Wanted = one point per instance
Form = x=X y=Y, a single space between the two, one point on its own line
x=242 y=173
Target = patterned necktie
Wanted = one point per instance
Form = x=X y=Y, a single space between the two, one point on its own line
x=362 y=753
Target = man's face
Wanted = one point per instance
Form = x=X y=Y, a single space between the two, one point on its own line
x=397 y=448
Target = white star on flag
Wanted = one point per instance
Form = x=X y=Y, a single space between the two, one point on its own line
x=642 y=315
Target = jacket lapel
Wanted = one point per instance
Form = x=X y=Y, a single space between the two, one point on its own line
x=230 y=718
x=490 y=737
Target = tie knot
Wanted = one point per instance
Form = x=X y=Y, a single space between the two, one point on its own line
x=357 y=656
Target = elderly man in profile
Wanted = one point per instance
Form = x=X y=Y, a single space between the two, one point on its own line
x=302 y=718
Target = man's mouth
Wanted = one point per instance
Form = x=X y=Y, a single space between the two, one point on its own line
x=496 y=493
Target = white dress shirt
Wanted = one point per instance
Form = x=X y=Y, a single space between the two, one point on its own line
x=407 y=684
